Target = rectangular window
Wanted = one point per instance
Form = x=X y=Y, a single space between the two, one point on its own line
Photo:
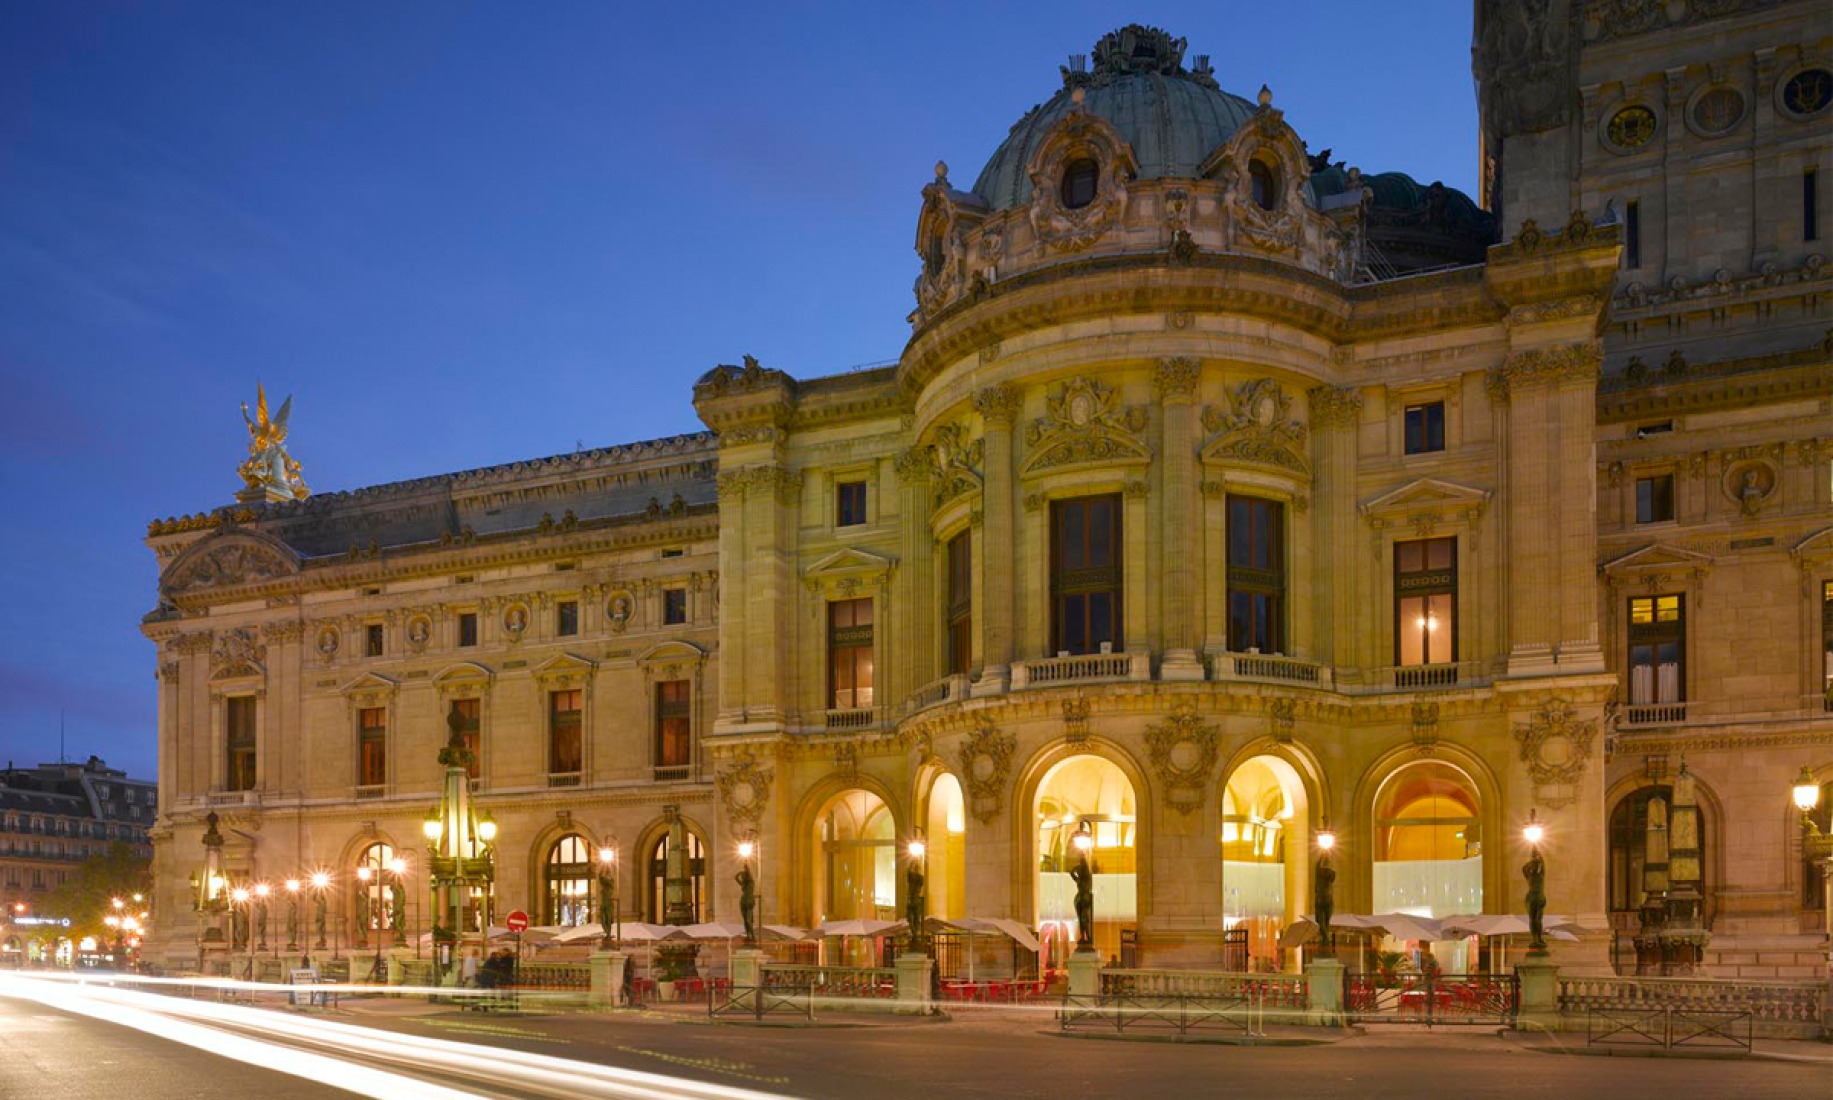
x=467 y=628
x=239 y=726
x=1657 y=650
x=1655 y=498
x=1085 y=574
x=674 y=715
x=372 y=746
x=1425 y=428
x=564 y=742
x=674 y=606
x=849 y=653
x=1810 y=205
x=960 y=604
x=1256 y=575
x=566 y=618
x=1425 y=602
x=372 y=640
x=1632 y=236
x=849 y=504
x=466 y=718
x=1826 y=641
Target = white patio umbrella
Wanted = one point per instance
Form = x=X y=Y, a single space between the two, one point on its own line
x=994 y=926
x=858 y=926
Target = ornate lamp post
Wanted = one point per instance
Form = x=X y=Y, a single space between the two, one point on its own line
x=292 y=915
x=1815 y=845
x=747 y=888
x=1082 y=873
x=1324 y=887
x=1535 y=871
x=608 y=917
x=459 y=850
x=212 y=885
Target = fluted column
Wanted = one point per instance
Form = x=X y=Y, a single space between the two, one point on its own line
x=1176 y=380
x=998 y=406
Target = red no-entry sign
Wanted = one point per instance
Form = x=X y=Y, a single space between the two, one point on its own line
x=516 y=922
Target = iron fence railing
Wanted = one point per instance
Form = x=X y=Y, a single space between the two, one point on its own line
x=1180 y=1015
x=1432 y=998
x=1667 y=1028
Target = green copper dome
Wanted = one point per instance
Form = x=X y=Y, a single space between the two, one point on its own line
x=1172 y=117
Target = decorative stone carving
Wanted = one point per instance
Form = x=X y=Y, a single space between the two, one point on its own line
x=288 y=630
x=986 y=761
x=1555 y=747
x=618 y=610
x=1079 y=136
x=515 y=621
x=419 y=633
x=997 y=404
x=327 y=644
x=744 y=790
x=1425 y=727
x=1085 y=424
x=237 y=653
x=1258 y=427
x=1075 y=721
x=1334 y=406
x=234 y=559
x=914 y=467
x=1182 y=751
x=269 y=473
x=1520 y=60
x=956 y=461
x=1282 y=715
x=1751 y=485
x=1580 y=362
x=1176 y=378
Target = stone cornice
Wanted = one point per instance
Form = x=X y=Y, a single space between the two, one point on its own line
x=1727 y=383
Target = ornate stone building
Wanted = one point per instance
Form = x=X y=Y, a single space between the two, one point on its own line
x=1221 y=494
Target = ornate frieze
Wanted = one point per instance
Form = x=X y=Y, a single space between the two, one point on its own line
x=1552 y=366
x=1085 y=423
x=1182 y=750
x=955 y=461
x=1258 y=427
x=286 y=630
x=986 y=762
x=1334 y=406
x=228 y=560
x=237 y=653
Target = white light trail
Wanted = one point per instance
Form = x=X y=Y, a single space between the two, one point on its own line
x=171 y=1017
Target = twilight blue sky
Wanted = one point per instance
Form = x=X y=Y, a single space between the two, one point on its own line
x=463 y=234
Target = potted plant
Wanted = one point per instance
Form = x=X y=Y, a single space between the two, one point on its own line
x=666 y=973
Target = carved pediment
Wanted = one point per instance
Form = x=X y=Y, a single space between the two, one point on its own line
x=1085 y=424
x=234 y=557
x=463 y=678
x=1427 y=496
x=564 y=670
x=237 y=653
x=1656 y=566
x=1257 y=427
x=848 y=570
x=370 y=690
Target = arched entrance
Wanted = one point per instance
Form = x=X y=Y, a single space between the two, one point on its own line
x=1428 y=857
x=856 y=873
x=1265 y=844
x=695 y=900
x=945 y=834
x=1093 y=791
x=568 y=875
x=370 y=892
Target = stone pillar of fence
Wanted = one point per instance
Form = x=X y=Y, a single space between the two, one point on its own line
x=1085 y=974
x=398 y=958
x=1539 y=1007
x=747 y=968
x=913 y=981
x=1324 y=992
x=607 y=978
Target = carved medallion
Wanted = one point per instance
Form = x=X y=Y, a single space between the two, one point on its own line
x=1258 y=427
x=1182 y=750
x=744 y=790
x=986 y=761
x=1555 y=747
x=1631 y=128
x=1085 y=423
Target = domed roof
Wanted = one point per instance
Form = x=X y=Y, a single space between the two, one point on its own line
x=1171 y=116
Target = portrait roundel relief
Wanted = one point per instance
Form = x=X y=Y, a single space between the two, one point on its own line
x=1631 y=128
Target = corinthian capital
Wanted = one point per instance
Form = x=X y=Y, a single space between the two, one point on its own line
x=1334 y=406
x=1176 y=378
x=997 y=404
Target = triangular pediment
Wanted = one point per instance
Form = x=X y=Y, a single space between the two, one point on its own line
x=1816 y=547
x=848 y=561
x=461 y=673
x=1657 y=556
x=1427 y=494
x=368 y=683
x=561 y=663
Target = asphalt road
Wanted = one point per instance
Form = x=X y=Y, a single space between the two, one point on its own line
x=66 y=1054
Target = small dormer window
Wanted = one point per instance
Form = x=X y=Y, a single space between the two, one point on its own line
x=1080 y=179
x=1265 y=184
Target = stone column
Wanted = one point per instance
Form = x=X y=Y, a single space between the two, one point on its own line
x=771 y=502
x=1533 y=619
x=733 y=558
x=1335 y=415
x=1575 y=375
x=1176 y=381
x=998 y=407
x=915 y=659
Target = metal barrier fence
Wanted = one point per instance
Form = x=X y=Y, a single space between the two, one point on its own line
x=1164 y=1012
x=757 y=1002
x=1668 y=1028
x=1432 y=998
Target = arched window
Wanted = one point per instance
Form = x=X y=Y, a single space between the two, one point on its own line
x=1265 y=860
x=946 y=836
x=374 y=869
x=857 y=873
x=1092 y=793
x=1264 y=182
x=1081 y=178
x=569 y=881
x=1813 y=873
x=693 y=855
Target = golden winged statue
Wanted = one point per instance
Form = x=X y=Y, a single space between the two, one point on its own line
x=271 y=473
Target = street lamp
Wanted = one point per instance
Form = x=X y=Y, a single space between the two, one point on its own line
x=1535 y=871
x=1324 y=886
x=459 y=841
x=747 y=887
x=608 y=917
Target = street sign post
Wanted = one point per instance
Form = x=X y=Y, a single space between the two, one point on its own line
x=516 y=922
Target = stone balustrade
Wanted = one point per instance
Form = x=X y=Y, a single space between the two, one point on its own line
x=1050 y=671
x=1791 y=1003
x=1277 y=990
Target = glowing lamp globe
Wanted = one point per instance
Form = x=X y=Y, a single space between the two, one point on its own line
x=917 y=849
x=1807 y=792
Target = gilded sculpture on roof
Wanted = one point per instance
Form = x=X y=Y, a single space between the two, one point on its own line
x=270 y=473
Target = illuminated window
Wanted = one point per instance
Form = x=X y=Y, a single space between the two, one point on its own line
x=1085 y=574
x=1425 y=602
x=1657 y=650
x=692 y=902
x=570 y=883
x=849 y=653
x=674 y=724
x=1256 y=574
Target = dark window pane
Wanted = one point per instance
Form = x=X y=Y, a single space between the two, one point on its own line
x=1080 y=182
